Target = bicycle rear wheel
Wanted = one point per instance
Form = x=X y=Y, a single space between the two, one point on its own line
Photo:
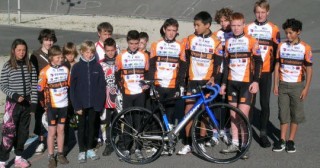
x=213 y=142
x=137 y=135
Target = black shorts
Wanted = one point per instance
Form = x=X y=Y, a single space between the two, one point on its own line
x=57 y=115
x=193 y=86
x=238 y=92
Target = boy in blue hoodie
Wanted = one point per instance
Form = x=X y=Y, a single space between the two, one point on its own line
x=87 y=93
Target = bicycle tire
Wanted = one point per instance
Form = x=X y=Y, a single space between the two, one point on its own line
x=203 y=131
x=121 y=128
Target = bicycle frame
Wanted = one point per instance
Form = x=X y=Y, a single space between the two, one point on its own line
x=201 y=101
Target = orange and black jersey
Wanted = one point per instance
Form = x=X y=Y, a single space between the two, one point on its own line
x=54 y=83
x=243 y=59
x=268 y=37
x=204 y=56
x=293 y=59
x=168 y=63
x=223 y=36
x=131 y=67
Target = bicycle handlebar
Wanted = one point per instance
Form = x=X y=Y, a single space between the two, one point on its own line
x=215 y=88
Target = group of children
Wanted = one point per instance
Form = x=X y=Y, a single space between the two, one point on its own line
x=241 y=58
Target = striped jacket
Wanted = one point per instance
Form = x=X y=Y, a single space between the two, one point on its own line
x=19 y=82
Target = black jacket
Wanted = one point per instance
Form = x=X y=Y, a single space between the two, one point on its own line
x=88 y=86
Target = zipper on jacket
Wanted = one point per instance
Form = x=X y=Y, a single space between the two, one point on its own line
x=89 y=88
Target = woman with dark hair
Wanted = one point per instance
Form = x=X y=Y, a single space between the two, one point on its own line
x=19 y=83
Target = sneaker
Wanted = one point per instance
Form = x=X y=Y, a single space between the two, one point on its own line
x=279 y=146
x=246 y=155
x=3 y=165
x=226 y=136
x=107 y=150
x=164 y=152
x=40 y=149
x=82 y=157
x=52 y=162
x=170 y=127
x=21 y=163
x=152 y=151
x=185 y=149
x=99 y=144
x=92 y=155
x=138 y=154
x=290 y=148
x=202 y=147
x=212 y=142
x=231 y=149
x=264 y=142
x=62 y=159
x=126 y=153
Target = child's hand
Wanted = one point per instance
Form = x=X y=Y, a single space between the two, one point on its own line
x=276 y=91
x=211 y=81
x=79 y=112
x=20 y=99
x=145 y=87
x=223 y=89
x=304 y=94
x=254 y=87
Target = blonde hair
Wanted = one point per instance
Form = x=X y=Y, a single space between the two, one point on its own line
x=87 y=45
x=262 y=4
x=54 y=51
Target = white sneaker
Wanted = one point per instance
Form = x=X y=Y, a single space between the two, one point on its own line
x=40 y=149
x=226 y=136
x=151 y=151
x=185 y=149
x=3 y=164
x=212 y=142
x=201 y=145
x=170 y=127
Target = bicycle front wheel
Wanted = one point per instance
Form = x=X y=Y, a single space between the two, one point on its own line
x=137 y=135
x=226 y=141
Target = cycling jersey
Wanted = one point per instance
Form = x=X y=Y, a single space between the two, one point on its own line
x=54 y=81
x=111 y=88
x=203 y=51
x=132 y=67
x=223 y=36
x=268 y=37
x=292 y=59
x=239 y=53
x=165 y=63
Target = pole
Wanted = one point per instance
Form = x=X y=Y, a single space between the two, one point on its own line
x=9 y=12
x=19 y=11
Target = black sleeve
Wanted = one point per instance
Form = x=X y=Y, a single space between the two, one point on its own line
x=274 y=56
x=188 y=55
x=34 y=61
x=73 y=85
x=117 y=75
x=225 y=70
x=257 y=68
x=183 y=66
x=217 y=65
x=152 y=68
